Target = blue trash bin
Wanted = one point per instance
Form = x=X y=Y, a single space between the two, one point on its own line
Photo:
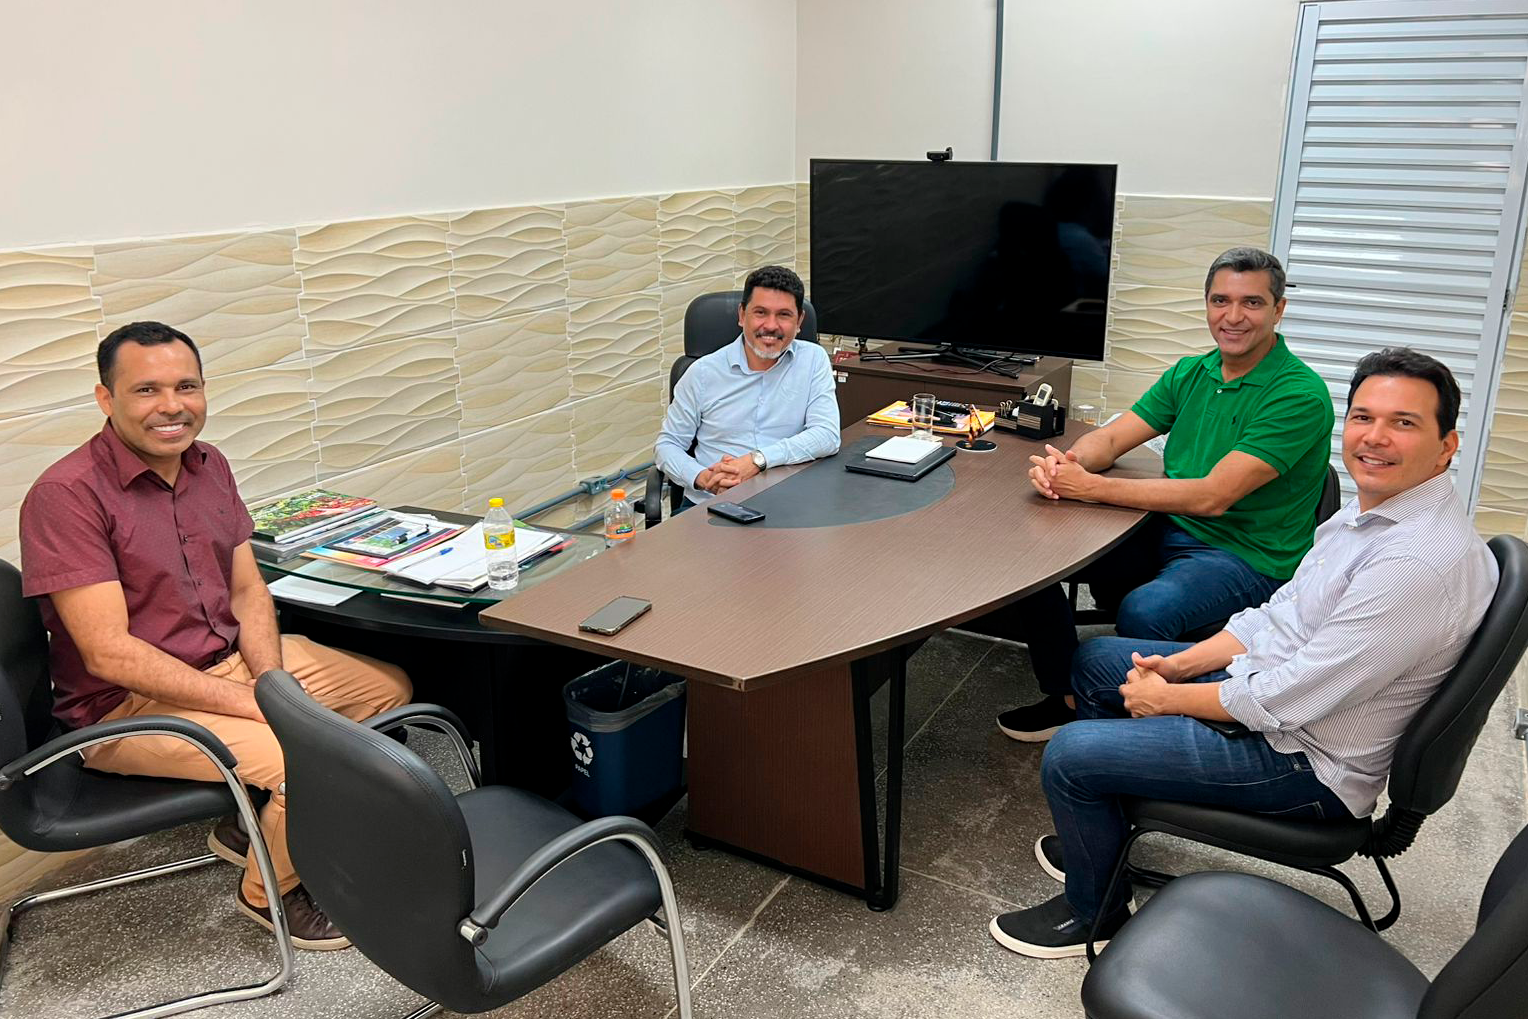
x=626 y=733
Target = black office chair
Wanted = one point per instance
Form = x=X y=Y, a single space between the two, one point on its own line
x=51 y=803
x=471 y=900
x=1213 y=945
x=1429 y=758
x=710 y=323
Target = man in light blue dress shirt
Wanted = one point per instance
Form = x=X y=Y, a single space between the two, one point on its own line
x=761 y=401
x=1326 y=674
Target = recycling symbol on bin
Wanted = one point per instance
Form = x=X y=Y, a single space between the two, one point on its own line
x=583 y=750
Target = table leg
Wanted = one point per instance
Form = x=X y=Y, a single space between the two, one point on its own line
x=881 y=884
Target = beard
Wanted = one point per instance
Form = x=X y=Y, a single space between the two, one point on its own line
x=768 y=355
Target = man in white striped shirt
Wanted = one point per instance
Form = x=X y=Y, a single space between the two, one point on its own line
x=1326 y=674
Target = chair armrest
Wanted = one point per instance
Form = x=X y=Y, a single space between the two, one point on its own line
x=114 y=729
x=652 y=498
x=486 y=915
x=433 y=716
x=418 y=714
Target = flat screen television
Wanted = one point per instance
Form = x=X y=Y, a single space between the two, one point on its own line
x=1011 y=258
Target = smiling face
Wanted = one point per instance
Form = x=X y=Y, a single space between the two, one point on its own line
x=156 y=402
x=1390 y=439
x=769 y=321
x=1243 y=317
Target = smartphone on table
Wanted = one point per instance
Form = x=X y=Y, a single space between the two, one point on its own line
x=612 y=618
x=735 y=512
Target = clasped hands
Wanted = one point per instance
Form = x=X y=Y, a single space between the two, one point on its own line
x=726 y=472
x=1058 y=475
x=1147 y=685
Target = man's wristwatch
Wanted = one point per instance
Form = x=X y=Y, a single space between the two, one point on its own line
x=758 y=459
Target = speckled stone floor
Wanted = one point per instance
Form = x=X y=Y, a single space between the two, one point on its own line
x=761 y=944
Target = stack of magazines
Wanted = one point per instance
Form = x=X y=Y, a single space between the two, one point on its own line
x=290 y=526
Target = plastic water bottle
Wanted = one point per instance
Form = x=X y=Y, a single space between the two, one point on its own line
x=499 y=540
x=620 y=522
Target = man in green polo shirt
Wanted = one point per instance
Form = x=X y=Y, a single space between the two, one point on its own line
x=1249 y=429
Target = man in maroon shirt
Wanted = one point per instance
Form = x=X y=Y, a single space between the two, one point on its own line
x=138 y=544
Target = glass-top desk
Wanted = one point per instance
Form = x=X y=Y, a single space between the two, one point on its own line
x=507 y=688
x=585 y=546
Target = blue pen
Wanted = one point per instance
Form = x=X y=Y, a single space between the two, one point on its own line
x=443 y=551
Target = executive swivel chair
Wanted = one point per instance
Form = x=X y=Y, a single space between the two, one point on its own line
x=470 y=900
x=51 y=803
x=1429 y=760
x=710 y=323
x=1214 y=944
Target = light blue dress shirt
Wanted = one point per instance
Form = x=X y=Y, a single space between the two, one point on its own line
x=1340 y=660
x=788 y=412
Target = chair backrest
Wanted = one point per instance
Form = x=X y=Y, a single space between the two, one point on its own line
x=1331 y=496
x=1488 y=977
x=29 y=808
x=379 y=840
x=26 y=695
x=710 y=323
x=1431 y=753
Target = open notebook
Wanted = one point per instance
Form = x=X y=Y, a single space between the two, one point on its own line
x=462 y=562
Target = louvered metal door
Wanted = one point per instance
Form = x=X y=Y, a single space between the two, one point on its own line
x=1400 y=200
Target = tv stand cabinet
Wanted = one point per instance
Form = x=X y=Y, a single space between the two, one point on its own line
x=864 y=387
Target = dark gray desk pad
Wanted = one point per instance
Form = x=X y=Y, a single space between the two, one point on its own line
x=826 y=495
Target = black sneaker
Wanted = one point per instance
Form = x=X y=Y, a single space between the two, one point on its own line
x=1051 y=930
x=1048 y=852
x=1038 y=722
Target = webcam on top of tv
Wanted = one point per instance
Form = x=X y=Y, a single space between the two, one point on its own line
x=936 y=156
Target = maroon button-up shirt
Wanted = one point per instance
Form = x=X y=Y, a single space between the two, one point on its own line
x=102 y=514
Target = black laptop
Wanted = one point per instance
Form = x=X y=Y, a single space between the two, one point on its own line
x=859 y=463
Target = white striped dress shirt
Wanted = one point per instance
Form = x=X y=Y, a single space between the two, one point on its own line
x=1341 y=658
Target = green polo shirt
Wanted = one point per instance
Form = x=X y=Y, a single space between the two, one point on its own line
x=1279 y=412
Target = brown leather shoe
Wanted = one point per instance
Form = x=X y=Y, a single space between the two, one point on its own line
x=306 y=923
x=228 y=841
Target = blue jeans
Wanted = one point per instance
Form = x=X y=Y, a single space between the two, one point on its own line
x=1091 y=763
x=1163 y=582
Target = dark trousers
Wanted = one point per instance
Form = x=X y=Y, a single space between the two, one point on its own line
x=1161 y=582
x=1105 y=755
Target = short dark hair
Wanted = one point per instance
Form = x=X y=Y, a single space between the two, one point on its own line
x=147 y=334
x=775 y=277
x=1411 y=364
x=1249 y=260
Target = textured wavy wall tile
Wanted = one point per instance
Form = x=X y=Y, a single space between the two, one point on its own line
x=612 y=247
x=1088 y=380
x=31 y=445
x=1489 y=522
x=696 y=235
x=1122 y=388
x=508 y=260
x=1504 y=482
x=613 y=341
x=804 y=230
x=513 y=367
x=430 y=478
x=1155 y=326
x=1172 y=241
x=262 y=420
x=766 y=226
x=236 y=295
x=616 y=430
x=1512 y=395
x=523 y=463
x=374 y=280
x=673 y=299
x=380 y=401
x=48 y=320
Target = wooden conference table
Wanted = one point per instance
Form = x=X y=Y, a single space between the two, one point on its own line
x=785 y=633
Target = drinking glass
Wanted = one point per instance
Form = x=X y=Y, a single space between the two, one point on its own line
x=923 y=416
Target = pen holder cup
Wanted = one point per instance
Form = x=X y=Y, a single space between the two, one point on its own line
x=1034 y=421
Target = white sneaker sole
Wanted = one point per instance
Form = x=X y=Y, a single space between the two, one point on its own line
x=1045 y=864
x=1037 y=736
x=1039 y=951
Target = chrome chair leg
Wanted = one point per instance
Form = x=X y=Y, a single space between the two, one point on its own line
x=428 y=1009
x=263 y=863
x=670 y=925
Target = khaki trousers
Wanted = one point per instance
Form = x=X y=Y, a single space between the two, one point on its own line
x=353 y=685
